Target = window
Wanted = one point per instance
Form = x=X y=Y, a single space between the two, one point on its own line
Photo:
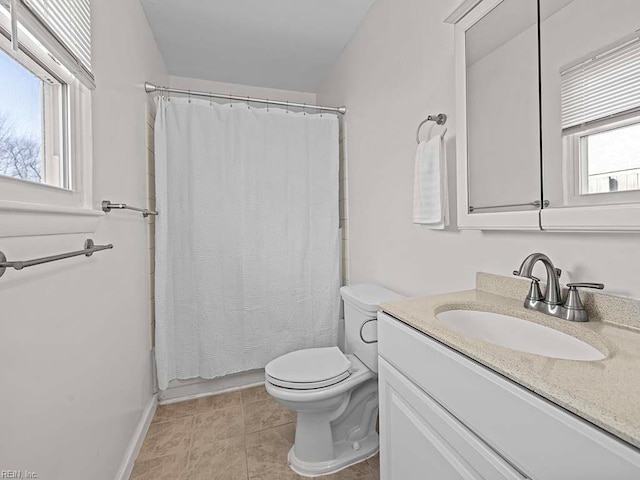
x=45 y=116
x=21 y=127
x=601 y=120
x=611 y=160
x=31 y=124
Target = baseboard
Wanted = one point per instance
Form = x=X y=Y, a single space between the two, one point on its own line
x=131 y=453
x=180 y=390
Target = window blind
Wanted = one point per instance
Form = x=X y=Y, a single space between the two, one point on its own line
x=607 y=84
x=63 y=27
x=70 y=20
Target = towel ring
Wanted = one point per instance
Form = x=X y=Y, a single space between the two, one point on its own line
x=440 y=119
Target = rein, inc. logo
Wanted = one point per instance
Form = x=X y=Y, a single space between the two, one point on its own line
x=18 y=474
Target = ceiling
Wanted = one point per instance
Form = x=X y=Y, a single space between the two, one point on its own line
x=286 y=44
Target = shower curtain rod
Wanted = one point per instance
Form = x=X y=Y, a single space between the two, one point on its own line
x=151 y=88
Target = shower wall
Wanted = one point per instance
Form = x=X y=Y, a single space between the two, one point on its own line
x=151 y=219
x=344 y=206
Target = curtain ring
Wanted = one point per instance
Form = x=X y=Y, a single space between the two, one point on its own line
x=267 y=105
x=211 y=99
x=230 y=104
x=304 y=109
x=189 y=96
x=248 y=103
x=287 y=106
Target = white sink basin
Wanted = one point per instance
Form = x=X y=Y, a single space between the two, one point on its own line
x=518 y=334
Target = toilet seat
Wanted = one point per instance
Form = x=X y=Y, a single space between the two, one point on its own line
x=309 y=369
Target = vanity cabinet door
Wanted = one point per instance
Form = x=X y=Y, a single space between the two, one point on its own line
x=420 y=440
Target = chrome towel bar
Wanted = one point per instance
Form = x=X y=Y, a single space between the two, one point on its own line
x=107 y=206
x=89 y=249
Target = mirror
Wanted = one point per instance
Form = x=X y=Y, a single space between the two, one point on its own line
x=590 y=77
x=502 y=109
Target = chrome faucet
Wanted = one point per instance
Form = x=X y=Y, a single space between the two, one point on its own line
x=552 y=304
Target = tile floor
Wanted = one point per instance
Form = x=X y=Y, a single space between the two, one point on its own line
x=236 y=435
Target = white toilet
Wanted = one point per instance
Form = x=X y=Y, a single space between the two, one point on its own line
x=335 y=395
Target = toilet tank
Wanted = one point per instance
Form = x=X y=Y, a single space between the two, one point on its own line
x=361 y=303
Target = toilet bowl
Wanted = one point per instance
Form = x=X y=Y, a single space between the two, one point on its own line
x=334 y=394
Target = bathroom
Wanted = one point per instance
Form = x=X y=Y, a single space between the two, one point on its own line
x=81 y=390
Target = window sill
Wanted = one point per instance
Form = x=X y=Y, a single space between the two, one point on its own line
x=18 y=219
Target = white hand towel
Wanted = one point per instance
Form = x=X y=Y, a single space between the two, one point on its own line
x=430 y=192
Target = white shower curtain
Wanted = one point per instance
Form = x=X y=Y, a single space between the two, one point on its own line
x=247 y=240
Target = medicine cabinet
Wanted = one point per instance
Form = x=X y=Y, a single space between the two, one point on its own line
x=548 y=102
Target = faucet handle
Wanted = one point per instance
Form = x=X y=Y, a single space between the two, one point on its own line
x=573 y=301
x=573 y=286
x=535 y=294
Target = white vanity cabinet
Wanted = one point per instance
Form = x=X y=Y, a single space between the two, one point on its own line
x=444 y=417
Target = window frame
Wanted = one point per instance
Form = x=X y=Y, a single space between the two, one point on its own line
x=30 y=208
x=574 y=167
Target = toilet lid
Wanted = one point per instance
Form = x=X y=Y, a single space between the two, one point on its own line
x=309 y=368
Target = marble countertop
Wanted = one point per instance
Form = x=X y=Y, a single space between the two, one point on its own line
x=604 y=392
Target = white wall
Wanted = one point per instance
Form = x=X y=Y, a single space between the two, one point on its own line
x=398 y=68
x=75 y=343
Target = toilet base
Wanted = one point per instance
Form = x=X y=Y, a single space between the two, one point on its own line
x=345 y=456
x=336 y=425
